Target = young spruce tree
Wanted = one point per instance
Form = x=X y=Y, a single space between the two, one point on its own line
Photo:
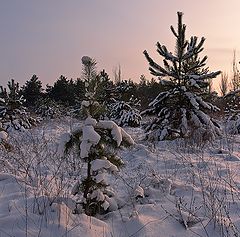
x=179 y=109
x=97 y=141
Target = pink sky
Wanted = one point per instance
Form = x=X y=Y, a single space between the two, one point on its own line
x=48 y=38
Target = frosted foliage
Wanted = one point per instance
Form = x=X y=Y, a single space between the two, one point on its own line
x=97 y=148
x=13 y=115
x=192 y=100
x=205 y=118
x=195 y=120
x=128 y=116
x=206 y=105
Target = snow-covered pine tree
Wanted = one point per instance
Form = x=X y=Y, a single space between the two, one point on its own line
x=47 y=108
x=97 y=141
x=12 y=112
x=125 y=113
x=180 y=110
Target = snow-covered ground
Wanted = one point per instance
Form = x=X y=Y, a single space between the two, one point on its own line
x=165 y=189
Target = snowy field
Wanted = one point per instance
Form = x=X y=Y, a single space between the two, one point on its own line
x=165 y=189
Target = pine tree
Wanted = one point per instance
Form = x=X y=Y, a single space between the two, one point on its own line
x=126 y=113
x=12 y=112
x=104 y=84
x=180 y=110
x=47 y=108
x=97 y=140
x=62 y=91
x=32 y=91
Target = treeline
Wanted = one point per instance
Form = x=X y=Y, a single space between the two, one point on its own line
x=69 y=92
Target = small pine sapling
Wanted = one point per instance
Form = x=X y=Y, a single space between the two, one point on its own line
x=97 y=141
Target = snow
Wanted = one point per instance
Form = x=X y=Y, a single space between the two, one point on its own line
x=184 y=124
x=98 y=194
x=85 y=147
x=85 y=103
x=90 y=137
x=105 y=205
x=176 y=185
x=103 y=164
x=90 y=121
x=127 y=137
x=117 y=132
x=3 y=136
x=194 y=83
x=63 y=140
x=138 y=192
x=163 y=134
x=86 y=60
x=99 y=178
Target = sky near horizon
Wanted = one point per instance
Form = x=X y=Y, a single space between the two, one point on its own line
x=49 y=37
